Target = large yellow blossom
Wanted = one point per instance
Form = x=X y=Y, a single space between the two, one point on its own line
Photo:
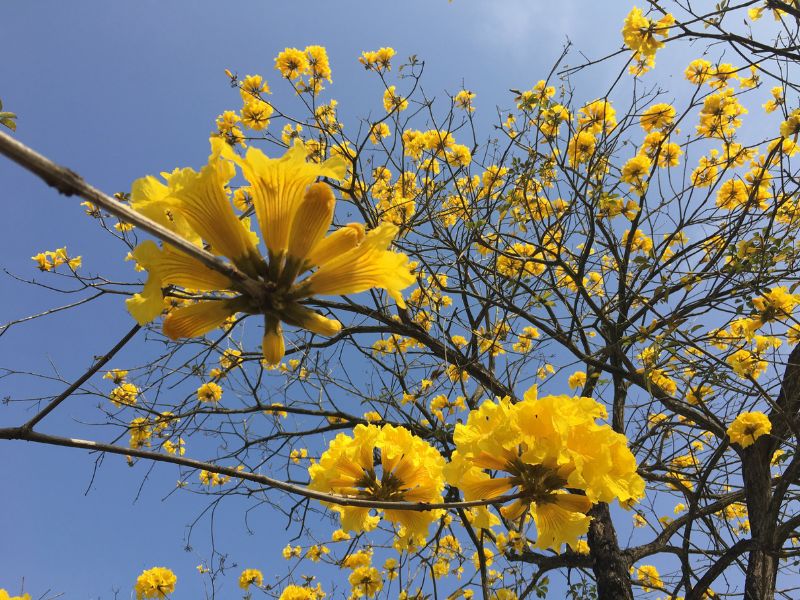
x=748 y=427
x=155 y=583
x=294 y=214
x=640 y=32
x=775 y=305
x=649 y=578
x=539 y=448
x=251 y=577
x=409 y=470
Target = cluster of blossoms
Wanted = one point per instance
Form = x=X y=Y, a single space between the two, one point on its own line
x=251 y=577
x=52 y=259
x=308 y=68
x=378 y=60
x=294 y=214
x=410 y=470
x=541 y=446
x=748 y=427
x=641 y=34
x=157 y=583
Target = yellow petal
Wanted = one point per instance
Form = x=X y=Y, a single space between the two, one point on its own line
x=197 y=319
x=177 y=268
x=313 y=219
x=556 y=525
x=278 y=186
x=205 y=205
x=300 y=316
x=340 y=241
x=364 y=267
x=272 y=345
x=152 y=198
x=147 y=305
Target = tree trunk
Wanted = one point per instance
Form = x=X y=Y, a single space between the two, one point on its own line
x=762 y=564
x=609 y=566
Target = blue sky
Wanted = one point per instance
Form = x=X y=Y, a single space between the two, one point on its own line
x=117 y=90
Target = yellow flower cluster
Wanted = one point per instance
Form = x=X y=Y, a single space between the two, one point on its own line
x=294 y=215
x=410 y=470
x=212 y=479
x=641 y=35
x=296 y=592
x=721 y=114
x=538 y=447
x=649 y=578
x=49 y=260
x=775 y=305
x=463 y=100
x=294 y=63
x=748 y=427
x=155 y=583
x=251 y=577
x=378 y=60
x=124 y=395
x=209 y=392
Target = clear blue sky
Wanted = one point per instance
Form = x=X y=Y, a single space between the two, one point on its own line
x=117 y=90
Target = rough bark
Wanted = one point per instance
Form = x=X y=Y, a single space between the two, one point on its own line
x=608 y=564
x=762 y=507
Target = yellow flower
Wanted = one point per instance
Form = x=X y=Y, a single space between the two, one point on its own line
x=392 y=102
x=318 y=64
x=140 y=432
x=597 y=117
x=289 y=552
x=370 y=264
x=577 y=379
x=748 y=427
x=294 y=214
x=379 y=60
x=635 y=172
x=638 y=242
x=209 y=392
x=732 y=193
x=775 y=305
x=292 y=63
x=649 y=578
x=378 y=132
x=746 y=364
x=657 y=116
x=463 y=100
x=126 y=394
x=541 y=446
x=256 y=114
x=116 y=375
x=251 y=577
x=410 y=470
x=581 y=147
x=155 y=583
x=296 y=592
x=639 y=32
x=365 y=581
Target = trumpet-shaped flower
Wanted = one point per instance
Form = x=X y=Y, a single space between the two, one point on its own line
x=537 y=448
x=409 y=470
x=155 y=583
x=748 y=427
x=294 y=214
